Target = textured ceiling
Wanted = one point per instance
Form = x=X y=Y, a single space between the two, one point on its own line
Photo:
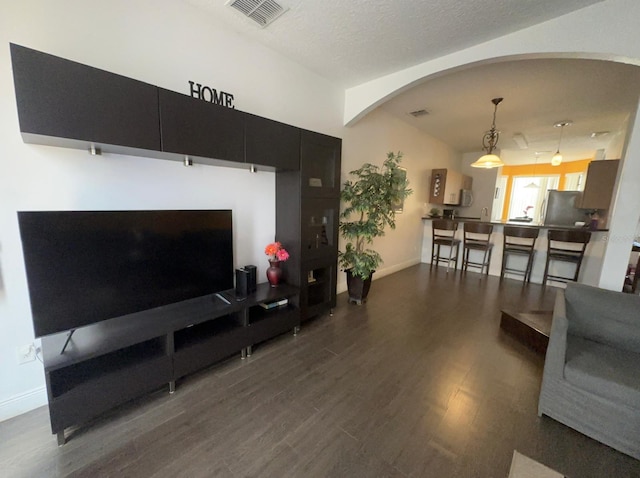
x=596 y=95
x=353 y=41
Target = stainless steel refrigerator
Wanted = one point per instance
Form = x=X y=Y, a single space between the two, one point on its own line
x=561 y=208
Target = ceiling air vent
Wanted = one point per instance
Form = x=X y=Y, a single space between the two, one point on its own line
x=263 y=12
x=419 y=113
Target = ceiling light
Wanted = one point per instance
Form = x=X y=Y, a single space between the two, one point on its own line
x=557 y=158
x=489 y=143
x=532 y=184
x=598 y=134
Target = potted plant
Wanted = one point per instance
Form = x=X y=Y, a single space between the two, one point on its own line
x=434 y=212
x=368 y=203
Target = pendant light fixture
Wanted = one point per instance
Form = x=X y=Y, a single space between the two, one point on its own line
x=489 y=143
x=557 y=158
x=532 y=184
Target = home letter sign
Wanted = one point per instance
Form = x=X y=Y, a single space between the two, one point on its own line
x=211 y=95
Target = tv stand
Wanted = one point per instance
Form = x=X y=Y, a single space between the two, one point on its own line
x=111 y=362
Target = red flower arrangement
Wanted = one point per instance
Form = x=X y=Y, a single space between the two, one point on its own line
x=276 y=252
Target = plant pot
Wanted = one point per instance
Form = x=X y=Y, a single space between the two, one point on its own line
x=358 y=287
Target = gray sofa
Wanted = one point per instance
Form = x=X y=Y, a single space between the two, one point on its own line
x=591 y=379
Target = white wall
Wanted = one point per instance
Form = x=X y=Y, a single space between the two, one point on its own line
x=369 y=141
x=165 y=43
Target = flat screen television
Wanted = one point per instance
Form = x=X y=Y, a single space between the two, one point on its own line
x=87 y=266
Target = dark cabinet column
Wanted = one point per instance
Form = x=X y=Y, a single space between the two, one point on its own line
x=270 y=143
x=59 y=98
x=307 y=209
x=195 y=127
x=320 y=157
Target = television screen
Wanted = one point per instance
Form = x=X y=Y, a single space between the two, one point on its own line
x=86 y=266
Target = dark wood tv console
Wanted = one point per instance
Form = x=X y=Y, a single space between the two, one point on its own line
x=67 y=104
x=111 y=362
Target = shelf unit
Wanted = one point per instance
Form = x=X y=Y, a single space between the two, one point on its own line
x=68 y=104
x=187 y=125
x=125 y=116
x=307 y=210
x=198 y=346
x=64 y=103
x=270 y=143
x=111 y=362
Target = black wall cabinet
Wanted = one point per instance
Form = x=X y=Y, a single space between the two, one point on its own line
x=320 y=157
x=194 y=127
x=271 y=143
x=60 y=98
x=307 y=209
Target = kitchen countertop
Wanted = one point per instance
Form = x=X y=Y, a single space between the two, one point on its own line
x=517 y=223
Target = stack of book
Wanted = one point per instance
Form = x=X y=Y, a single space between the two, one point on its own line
x=273 y=305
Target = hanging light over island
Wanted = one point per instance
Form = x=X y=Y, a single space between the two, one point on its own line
x=556 y=160
x=489 y=143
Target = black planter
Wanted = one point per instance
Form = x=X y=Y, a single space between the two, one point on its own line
x=358 y=288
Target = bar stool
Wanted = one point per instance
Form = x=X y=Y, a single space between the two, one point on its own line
x=520 y=241
x=477 y=237
x=565 y=246
x=444 y=234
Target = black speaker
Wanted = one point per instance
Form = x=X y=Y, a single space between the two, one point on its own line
x=242 y=283
x=252 y=280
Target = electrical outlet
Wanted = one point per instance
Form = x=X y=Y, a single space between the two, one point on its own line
x=26 y=353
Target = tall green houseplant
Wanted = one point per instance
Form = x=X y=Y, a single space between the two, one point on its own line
x=370 y=202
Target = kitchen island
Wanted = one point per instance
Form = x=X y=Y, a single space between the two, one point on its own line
x=591 y=264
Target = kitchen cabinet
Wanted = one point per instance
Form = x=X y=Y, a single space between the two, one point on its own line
x=271 y=143
x=194 y=127
x=446 y=185
x=600 y=183
x=64 y=103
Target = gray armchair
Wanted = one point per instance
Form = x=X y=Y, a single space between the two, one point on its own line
x=591 y=379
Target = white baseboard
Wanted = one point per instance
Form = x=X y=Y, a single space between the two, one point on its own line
x=23 y=403
x=341 y=285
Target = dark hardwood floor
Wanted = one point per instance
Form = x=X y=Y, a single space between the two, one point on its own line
x=420 y=381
